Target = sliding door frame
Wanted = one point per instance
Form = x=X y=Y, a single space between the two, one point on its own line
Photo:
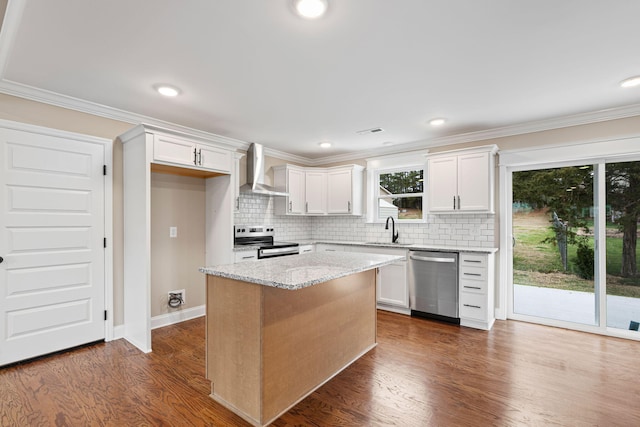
x=596 y=153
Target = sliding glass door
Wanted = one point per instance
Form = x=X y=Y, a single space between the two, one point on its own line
x=622 y=215
x=553 y=218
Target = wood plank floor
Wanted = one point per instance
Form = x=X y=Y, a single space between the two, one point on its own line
x=422 y=373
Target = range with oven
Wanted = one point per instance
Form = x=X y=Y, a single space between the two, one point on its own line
x=262 y=236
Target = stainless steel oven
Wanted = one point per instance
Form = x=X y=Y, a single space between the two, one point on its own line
x=262 y=237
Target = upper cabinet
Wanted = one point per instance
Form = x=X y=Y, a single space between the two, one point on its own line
x=462 y=180
x=176 y=151
x=344 y=190
x=319 y=191
x=315 y=192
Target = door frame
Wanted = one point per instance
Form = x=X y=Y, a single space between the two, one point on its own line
x=573 y=154
x=107 y=146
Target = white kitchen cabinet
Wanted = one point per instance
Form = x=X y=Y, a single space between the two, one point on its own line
x=147 y=149
x=476 y=290
x=326 y=247
x=242 y=256
x=315 y=192
x=177 y=151
x=236 y=181
x=392 y=286
x=345 y=190
x=462 y=180
x=319 y=191
x=291 y=179
x=305 y=249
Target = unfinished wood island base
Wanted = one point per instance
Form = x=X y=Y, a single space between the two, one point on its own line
x=268 y=348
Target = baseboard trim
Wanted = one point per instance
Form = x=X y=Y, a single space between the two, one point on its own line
x=177 y=316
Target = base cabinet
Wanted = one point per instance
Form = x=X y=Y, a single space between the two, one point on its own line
x=392 y=286
x=476 y=290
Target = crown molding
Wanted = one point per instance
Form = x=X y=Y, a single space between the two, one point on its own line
x=52 y=98
x=10 y=26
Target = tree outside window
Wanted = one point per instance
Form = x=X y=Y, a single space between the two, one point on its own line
x=400 y=194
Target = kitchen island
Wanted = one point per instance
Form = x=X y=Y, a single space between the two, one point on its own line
x=279 y=328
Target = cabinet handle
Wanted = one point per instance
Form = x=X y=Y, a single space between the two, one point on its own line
x=472 y=274
x=348 y=206
x=472 y=306
x=458 y=202
x=290 y=205
x=195 y=156
x=473 y=287
x=454 y=203
x=248 y=257
x=306 y=207
x=472 y=260
x=238 y=203
x=200 y=157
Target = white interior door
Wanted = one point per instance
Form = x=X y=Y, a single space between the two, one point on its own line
x=52 y=226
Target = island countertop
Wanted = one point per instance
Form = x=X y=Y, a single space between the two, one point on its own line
x=300 y=271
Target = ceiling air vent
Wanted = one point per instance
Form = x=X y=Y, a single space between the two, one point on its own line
x=373 y=130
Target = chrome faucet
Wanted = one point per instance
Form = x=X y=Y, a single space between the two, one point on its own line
x=394 y=233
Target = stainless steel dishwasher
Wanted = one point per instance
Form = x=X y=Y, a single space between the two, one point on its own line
x=433 y=285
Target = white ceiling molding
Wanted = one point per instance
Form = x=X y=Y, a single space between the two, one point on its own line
x=12 y=19
x=35 y=94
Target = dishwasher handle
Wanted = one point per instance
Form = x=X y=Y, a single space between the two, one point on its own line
x=432 y=259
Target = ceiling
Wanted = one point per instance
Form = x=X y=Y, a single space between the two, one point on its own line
x=253 y=71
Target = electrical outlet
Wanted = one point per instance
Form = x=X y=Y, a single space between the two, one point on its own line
x=173 y=232
x=176 y=298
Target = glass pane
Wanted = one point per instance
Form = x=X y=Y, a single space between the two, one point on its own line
x=407 y=182
x=553 y=257
x=623 y=211
x=400 y=207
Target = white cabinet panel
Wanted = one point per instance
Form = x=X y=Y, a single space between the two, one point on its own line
x=305 y=249
x=243 y=256
x=462 y=181
x=319 y=191
x=316 y=192
x=174 y=150
x=476 y=290
x=168 y=149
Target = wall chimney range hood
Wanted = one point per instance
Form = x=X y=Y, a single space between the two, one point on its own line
x=255 y=174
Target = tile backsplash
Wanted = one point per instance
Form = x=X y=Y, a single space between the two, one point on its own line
x=474 y=230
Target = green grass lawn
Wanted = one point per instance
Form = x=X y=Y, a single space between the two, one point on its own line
x=539 y=264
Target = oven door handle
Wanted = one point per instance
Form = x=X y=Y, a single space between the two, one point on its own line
x=278 y=251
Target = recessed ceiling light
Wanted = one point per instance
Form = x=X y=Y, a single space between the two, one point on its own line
x=310 y=9
x=325 y=144
x=167 y=90
x=631 y=82
x=437 y=122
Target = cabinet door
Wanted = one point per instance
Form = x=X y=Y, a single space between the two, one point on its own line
x=339 y=190
x=474 y=183
x=295 y=179
x=392 y=285
x=442 y=184
x=174 y=150
x=323 y=247
x=214 y=158
x=316 y=192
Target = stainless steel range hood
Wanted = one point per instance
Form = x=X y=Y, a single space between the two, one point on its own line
x=255 y=174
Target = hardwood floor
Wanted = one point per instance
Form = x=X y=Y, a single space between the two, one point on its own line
x=422 y=373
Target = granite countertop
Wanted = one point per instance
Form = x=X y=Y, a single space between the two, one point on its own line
x=300 y=271
x=441 y=248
